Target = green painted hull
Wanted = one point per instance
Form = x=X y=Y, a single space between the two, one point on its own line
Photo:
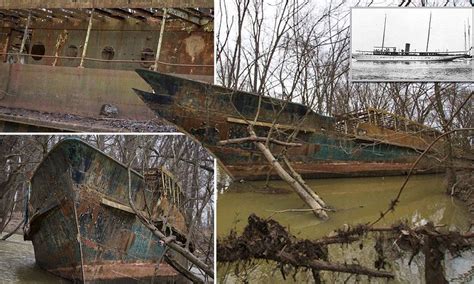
x=81 y=224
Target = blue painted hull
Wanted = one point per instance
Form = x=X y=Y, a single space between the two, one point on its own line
x=82 y=227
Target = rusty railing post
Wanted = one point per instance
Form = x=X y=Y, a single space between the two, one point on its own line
x=5 y=48
x=25 y=36
x=158 y=48
x=86 y=42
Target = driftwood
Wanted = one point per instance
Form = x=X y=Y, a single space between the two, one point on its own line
x=308 y=198
x=317 y=205
x=302 y=183
x=266 y=239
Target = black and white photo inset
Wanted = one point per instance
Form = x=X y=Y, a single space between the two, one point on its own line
x=412 y=45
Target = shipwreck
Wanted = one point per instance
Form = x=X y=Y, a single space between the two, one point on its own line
x=62 y=62
x=82 y=226
x=367 y=143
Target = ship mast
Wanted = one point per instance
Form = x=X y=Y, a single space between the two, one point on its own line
x=469 y=43
x=465 y=46
x=428 y=39
x=383 y=38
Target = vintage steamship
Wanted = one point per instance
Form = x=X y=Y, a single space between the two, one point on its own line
x=62 y=61
x=81 y=223
x=367 y=143
x=391 y=54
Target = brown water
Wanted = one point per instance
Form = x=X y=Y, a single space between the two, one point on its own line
x=357 y=200
x=423 y=198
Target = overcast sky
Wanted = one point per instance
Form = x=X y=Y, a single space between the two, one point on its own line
x=410 y=26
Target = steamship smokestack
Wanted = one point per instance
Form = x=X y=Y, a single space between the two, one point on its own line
x=407 y=47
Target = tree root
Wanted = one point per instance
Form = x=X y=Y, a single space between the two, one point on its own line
x=267 y=239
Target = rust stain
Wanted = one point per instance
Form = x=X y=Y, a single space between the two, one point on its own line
x=194 y=46
x=212 y=113
x=76 y=234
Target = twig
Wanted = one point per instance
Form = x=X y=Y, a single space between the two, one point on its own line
x=4 y=238
x=396 y=200
x=170 y=242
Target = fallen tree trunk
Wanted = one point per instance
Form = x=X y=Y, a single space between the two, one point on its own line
x=185 y=272
x=303 y=184
x=170 y=241
x=318 y=209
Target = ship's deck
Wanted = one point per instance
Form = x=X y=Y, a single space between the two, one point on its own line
x=23 y=120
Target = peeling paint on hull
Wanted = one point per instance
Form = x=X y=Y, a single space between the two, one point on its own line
x=212 y=113
x=78 y=236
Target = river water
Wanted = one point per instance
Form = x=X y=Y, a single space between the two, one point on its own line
x=357 y=200
x=453 y=71
x=17 y=263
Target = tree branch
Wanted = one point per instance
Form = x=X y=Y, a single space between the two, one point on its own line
x=170 y=242
x=258 y=139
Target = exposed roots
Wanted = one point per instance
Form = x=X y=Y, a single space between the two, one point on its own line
x=268 y=240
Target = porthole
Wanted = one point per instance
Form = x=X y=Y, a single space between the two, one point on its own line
x=37 y=51
x=72 y=51
x=108 y=53
x=147 y=55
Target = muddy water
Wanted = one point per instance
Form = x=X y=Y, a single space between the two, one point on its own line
x=357 y=200
x=17 y=263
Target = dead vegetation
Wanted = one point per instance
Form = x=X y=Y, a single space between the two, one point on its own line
x=266 y=239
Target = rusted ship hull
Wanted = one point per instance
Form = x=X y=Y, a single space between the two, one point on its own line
x=70 y=59
x=81 y=225
x=211 y=114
